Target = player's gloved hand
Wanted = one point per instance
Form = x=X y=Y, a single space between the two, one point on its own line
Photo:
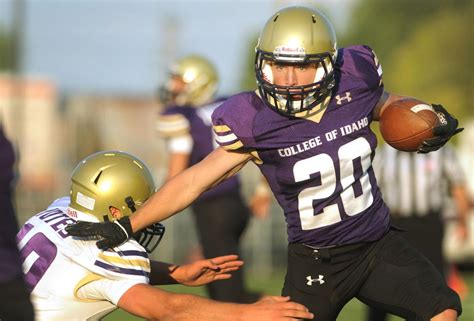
x=111 y=234
x=443 y=132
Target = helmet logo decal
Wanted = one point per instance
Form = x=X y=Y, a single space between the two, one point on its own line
x=85 y=201
x=283 y=53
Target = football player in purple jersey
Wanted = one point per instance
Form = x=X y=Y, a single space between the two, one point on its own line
x=14 y=298
x=186 y=125
x=307 y=129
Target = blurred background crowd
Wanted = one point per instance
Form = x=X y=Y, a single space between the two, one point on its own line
x=81 y=76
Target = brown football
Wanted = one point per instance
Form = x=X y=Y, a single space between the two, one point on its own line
x=405 y=124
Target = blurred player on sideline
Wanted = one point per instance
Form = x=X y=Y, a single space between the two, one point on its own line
x=185 y=123
x=308 y=130
x=71 y=279
x=415 y=188
x=15 y=303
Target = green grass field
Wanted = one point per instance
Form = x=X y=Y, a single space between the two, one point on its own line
x=354 y=311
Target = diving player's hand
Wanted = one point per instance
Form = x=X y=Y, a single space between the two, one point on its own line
x=111 y=234
x=443 y=132
x=206 y=271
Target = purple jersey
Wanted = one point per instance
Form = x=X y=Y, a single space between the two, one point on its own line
x=320 y=172
x=10 y=264
x=176 y=121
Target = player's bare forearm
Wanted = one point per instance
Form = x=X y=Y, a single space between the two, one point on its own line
x=155 y=304
x=180 y=191
x=385 y=100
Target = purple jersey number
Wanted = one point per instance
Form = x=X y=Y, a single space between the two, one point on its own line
x=37 y=255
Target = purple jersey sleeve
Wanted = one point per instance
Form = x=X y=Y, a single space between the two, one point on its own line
x=362 y=63
x=232 y=122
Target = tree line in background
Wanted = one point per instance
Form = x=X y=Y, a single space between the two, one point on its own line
x=425 y=47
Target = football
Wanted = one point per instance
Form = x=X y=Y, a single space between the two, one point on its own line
x=405 y=124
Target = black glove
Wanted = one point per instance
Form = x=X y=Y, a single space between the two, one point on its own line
x=111 y=234
x=443 y=132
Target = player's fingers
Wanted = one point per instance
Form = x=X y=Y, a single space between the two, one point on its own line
x=222 y=277
x=103 y=244
x=277 y=298
x=293 y=306
x=458 y=130
x=298 y=315
x=81 y=229
x=223 y=259
x=231 y=264
x=231 y=269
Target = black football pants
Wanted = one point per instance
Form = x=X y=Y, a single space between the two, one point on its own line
x=388 y=274
x=221 y=222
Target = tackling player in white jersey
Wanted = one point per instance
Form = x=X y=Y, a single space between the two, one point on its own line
x=70 y=279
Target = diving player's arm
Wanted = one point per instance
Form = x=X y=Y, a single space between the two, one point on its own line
x=196 y=273
x=179 y=192
x=155 y=304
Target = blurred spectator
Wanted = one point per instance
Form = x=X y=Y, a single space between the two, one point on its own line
x=221 y=214
x=14 y=298
x=456 y=249
x=417 y=189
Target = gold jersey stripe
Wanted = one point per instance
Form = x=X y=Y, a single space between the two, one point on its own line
x=233 y=146
x=221 y=128
x=91 y=277
x=127 y=262
x=256 y=158
x=172 y=117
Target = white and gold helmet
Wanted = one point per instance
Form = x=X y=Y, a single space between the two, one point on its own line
x=199 y=78
x=296 y=35
x=114 y=179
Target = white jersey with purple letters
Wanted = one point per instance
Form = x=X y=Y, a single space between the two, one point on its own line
x=69 y=278
x=319 y=171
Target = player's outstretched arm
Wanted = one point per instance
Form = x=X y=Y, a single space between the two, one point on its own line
x=155 y=304
x=194 y=274
x=174 y=196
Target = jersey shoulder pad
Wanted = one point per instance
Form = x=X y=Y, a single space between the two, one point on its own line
x=233 y=120
x=128 y=261
x=361 y=62
x=172 y=122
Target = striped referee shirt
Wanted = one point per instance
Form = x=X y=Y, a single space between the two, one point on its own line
x=417 y=184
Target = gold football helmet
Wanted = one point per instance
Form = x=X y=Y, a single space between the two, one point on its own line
x=199 y=82
x=114 y=179
x=296 y=35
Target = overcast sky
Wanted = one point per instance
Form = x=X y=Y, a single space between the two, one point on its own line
x=123 y=47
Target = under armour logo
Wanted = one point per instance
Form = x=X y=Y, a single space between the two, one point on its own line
x=311 y=280
x=346 y=97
